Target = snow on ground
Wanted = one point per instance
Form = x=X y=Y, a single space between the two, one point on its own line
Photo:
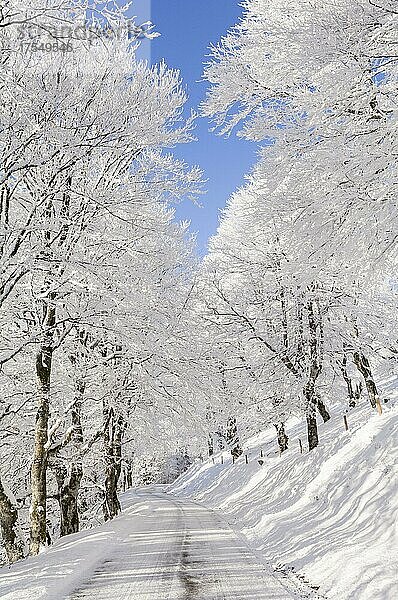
x=160 y=548
x=330 y=515
x=57 y=571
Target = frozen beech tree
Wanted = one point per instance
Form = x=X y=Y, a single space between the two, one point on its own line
x=311 y=240
x=122 y=356
x=89 y=251
x=321 y=78
x=286 y=321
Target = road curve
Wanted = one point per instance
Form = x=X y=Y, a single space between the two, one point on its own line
x=178 y=550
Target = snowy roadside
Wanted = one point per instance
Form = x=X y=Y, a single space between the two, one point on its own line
x=329 y=516
x=159 y=548
x=58 y=570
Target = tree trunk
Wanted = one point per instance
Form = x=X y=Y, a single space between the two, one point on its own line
x=111 y=505
x=129 y=477
x=233 y=438
x=220 y=439
x=315 y=331
x=68 y=482
x=40 y=456
x=13 y=545
x=113 y=462
x=282 y=437
x=210 y=444
x=69 y=473
x=69 y=478
x=312 y=425
x=323 y=411
x=353 y=397
x=363 y=366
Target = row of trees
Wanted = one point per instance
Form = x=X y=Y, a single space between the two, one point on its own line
x=96 y=346
x=116 y=346
x=299 y=284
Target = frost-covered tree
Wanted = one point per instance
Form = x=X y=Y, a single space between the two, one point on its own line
x=289 y=318
x=88 y=246
x=323 y=78
x=317 y=85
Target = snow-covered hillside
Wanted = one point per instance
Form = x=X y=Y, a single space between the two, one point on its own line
x=328 y=518
x=330 y=515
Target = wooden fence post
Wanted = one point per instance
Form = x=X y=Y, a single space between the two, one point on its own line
x=345 y=422
x=246 y=459
x=301 y=446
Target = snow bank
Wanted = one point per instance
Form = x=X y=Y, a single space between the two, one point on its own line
x=330 y=515
x=58 y=570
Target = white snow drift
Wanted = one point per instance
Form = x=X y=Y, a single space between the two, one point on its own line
x=331 y=515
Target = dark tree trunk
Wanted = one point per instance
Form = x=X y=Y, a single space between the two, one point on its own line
x=283 y=440
x=220 y=440
x=38 y=509
x=233 y=438
x=312 y=425
x=210 y=444
x=357 y=394
x=69 y=473
x=13 y=545
x=129 y=474
x=353 y=397
x=350 y=391
x=113 y=462
x=69 y=477
x=68 y=482
x=68 y=500
x=111 y=506
x=315 y=331
x=323 y=411
x=363 y=366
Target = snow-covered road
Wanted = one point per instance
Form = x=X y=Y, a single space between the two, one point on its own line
x=160 y=548
x=179 y=550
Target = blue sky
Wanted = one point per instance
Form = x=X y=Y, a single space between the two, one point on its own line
x=187 y=28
